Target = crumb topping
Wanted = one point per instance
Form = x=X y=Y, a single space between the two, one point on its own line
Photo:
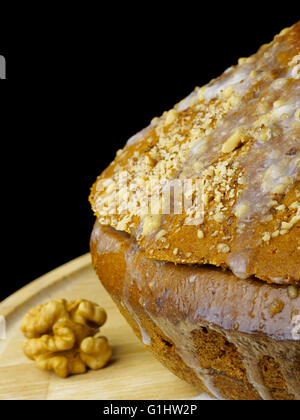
x=237 y=141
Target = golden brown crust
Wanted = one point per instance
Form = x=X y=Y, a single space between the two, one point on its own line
x=203 y=290
x=248 y=255
x=232 y=338
x=238 y=137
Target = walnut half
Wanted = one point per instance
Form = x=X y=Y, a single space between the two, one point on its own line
x=65 y=337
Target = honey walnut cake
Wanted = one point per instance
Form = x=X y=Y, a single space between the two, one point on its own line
x=197 y=236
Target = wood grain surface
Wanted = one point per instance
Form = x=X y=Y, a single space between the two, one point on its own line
x=132 y=374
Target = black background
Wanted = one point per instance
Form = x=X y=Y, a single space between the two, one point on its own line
x=78 y=88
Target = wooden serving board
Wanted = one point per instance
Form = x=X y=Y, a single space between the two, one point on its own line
x=132 y=374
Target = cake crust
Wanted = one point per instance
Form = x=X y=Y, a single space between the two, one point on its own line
x=231 y=338
x=236 y=141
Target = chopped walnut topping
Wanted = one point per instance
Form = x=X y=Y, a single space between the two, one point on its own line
x=160 y=234
x=282 y=186
x=233 y=142
x=276 y=307
x=223 y=248
x=275 y=234
x=171 y=117
x=293 y=292
x=151 y=223
x=242 y=210
x=266 y=237
x=200 y=234
x=281 y=208
x=287 y=226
